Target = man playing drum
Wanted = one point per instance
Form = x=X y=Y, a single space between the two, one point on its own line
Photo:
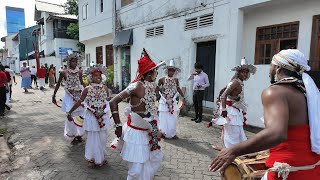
x=292 y=121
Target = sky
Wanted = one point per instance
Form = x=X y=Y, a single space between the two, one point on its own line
x=27 y=5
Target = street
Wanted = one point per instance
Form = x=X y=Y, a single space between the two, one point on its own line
x=40 y=151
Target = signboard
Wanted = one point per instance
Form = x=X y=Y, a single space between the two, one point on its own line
x=64 y=51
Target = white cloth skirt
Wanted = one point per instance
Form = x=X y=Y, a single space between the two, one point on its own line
x=233 y=135
x=41 y=82
x=68 y=102
x=168 y=123
x=71 y=130
x=96 y=147
x=235 y=117
x=146 y=170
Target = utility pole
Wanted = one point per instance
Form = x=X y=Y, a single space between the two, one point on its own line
x=27 y=51
x=114 y=24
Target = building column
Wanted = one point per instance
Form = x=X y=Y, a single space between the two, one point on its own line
x=104 y=55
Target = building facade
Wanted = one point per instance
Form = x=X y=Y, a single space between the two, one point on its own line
x=95 y=31
x=52 y=39
x=217 y=33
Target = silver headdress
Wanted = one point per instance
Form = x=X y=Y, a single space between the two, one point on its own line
x=95 y=68
x=73 y=55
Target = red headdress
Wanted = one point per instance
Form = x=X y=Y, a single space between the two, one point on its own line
x=145 y=64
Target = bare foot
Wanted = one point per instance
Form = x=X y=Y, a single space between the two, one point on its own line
x=175 y=137
x=216 y=147
x=79 y=138
x=91 y=165
x=74 y=141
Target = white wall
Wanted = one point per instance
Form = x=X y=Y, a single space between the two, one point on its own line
x=96 y=42
x=64 y=43
x=97 y=24
x=273 y=13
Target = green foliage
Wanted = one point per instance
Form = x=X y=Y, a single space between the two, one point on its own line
x=71 y=7
x=110 y=77
x=85 y=80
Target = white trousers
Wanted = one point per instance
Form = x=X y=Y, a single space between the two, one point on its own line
x=147 y=170
x=232 y=135
x=71 y=130
x=168 y=123
x=96 y=147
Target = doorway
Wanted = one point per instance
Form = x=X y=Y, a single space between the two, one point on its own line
x=206 y=55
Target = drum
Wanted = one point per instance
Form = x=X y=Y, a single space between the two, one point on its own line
x=247 y=167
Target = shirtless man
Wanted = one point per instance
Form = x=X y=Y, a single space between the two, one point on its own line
x=140 y=133
x=292 y=127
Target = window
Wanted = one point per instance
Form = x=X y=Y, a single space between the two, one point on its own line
x=314 y=61
x=101 y=5
x=85 y=12
x=88 y=60
x=99 y=58
x=126 y=2
x=155 y=31
x=198 y=22
x=274 y=38
x=15 y=20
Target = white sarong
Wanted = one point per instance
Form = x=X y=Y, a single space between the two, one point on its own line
x=143 y=163
x=71 y=130
x=168 y=122
x=233 y=132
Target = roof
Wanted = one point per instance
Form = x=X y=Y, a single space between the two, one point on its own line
x=62 y=16
x=49 y=7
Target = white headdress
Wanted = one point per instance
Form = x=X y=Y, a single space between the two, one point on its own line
x=172 y=66
x=244 y=65
x=294 y=60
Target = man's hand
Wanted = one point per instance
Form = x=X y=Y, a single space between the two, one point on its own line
x=225 y=157
x=224 y=114
x=54 y=100
x=118 y=131
x=15 y=83
x=194 y=73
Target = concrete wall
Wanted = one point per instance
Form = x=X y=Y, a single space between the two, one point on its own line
x=97 y=24
x=269 y=14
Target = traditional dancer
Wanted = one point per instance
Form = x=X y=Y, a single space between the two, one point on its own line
x=232 y=108
x=140 y=134
x=96 y=116
x=72 y=78
x=291 y=114
x=168 y=105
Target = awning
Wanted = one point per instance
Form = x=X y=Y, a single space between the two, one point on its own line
x=123 y=38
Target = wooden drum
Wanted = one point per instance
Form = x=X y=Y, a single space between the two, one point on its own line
x=247 y=167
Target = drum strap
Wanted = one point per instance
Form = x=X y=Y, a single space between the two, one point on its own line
x=284 y=169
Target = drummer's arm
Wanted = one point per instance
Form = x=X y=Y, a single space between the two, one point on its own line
x=276 y=116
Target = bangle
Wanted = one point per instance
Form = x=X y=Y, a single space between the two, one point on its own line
x=118 y=125
x=69 y=114
x=114 y=112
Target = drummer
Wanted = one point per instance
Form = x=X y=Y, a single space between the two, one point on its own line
x=291 y=113
x=168 y=106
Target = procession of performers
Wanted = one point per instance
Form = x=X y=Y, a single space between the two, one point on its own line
x=290 y=130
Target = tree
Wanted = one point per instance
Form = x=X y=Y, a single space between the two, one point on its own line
x=71 y=7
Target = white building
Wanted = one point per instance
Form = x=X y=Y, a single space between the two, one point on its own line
x=12 y=48
x=217 y=33
x=95 y=31
x=53 y=40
